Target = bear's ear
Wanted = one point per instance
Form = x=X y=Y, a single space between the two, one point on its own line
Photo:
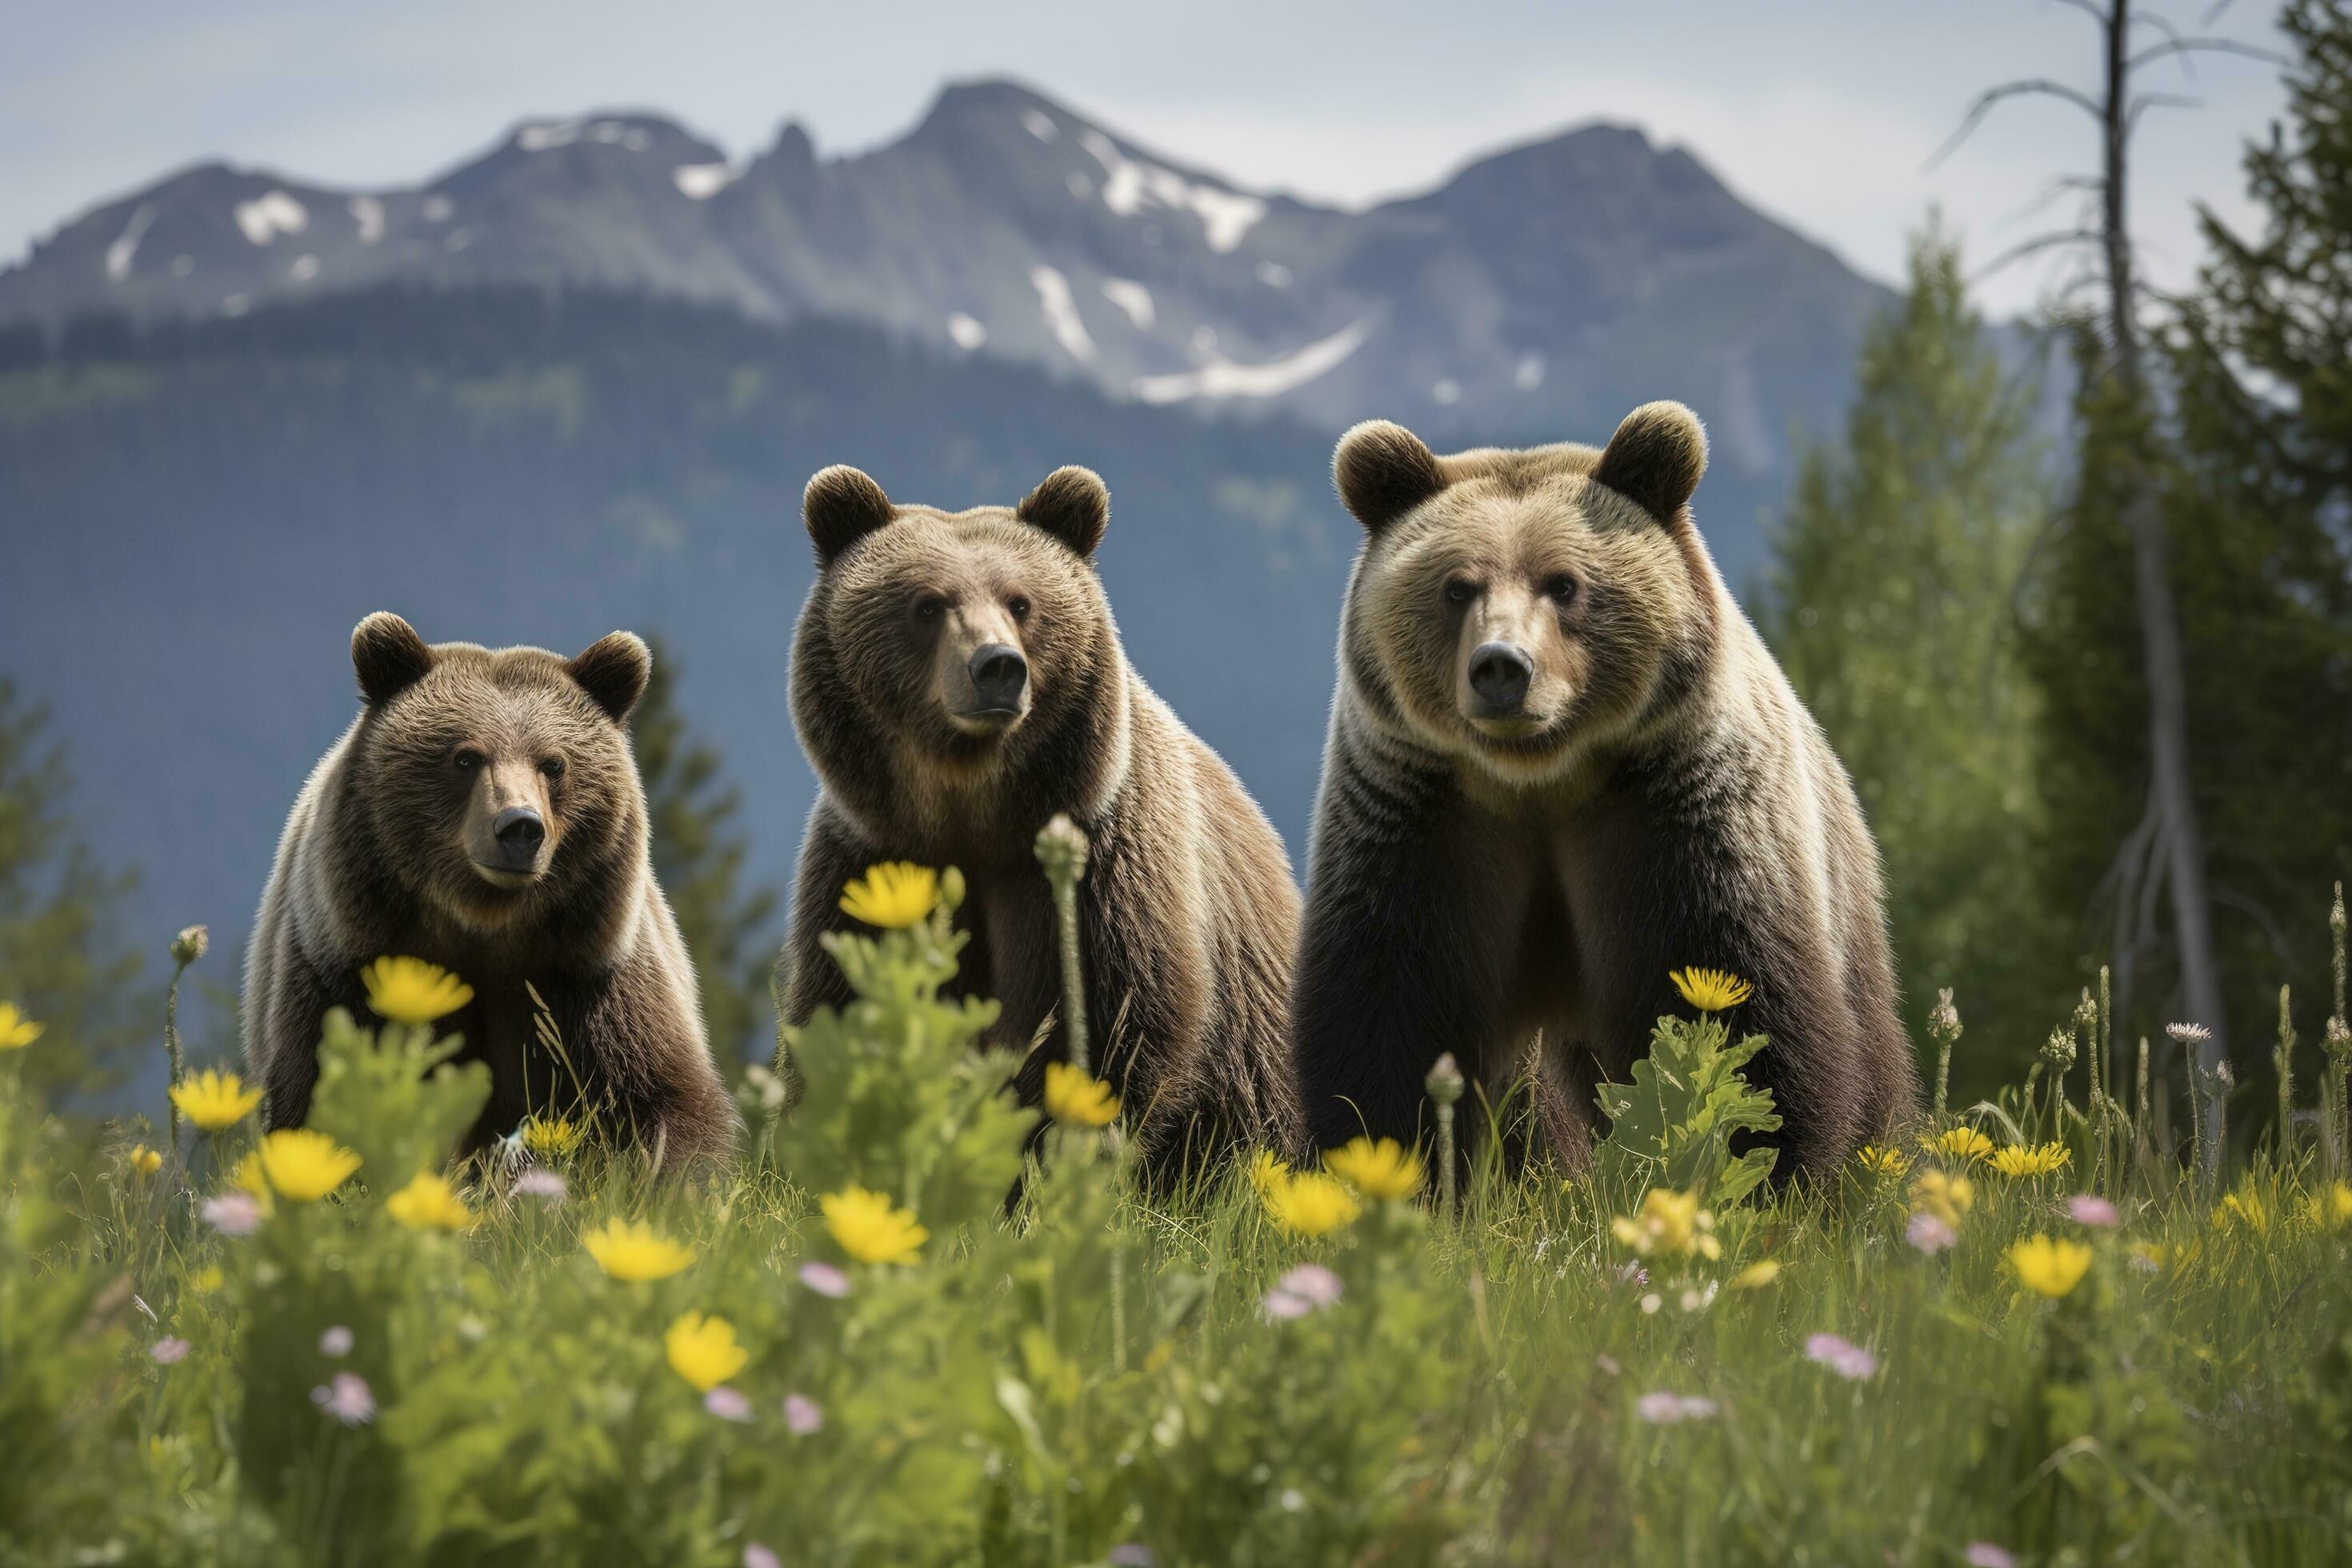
x=842 y=506
x=1383 y=472
x=1655 y=458
x=613 y=670
x=388 y=656
x=1072 y=504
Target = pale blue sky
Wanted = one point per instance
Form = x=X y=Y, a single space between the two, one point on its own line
x=1820 y=111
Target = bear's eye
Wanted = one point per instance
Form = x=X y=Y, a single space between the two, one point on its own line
x=929 y=608
x=1461 y=591
x=1560 y=588
x=468 y=759
x=552 y=767
x=1019 y=606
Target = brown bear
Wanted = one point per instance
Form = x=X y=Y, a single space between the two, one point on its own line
x=957 y=681
x=1562 y=763
x=484 y=813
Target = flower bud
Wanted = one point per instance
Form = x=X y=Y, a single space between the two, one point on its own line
x=1944 y=1019
x=952 y=889
x=190 y=946
x=1444 y=1081
x=1062 y=850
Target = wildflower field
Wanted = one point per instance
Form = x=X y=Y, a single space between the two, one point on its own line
x=2024 y=1332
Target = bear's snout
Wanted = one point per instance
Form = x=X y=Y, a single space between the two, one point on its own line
x=998 y=677
x=518 y=831
x=1499 y=678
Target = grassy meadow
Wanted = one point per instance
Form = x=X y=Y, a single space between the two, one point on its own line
x=2028 y=1333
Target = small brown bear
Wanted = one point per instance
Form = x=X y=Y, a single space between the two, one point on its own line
x=957 y=681
x=484 y=813
x=1562 y=763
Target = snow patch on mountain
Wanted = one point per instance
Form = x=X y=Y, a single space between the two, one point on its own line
x=368 y=213
x=119 y=255
x=965 y=332
x=1134 y=298
x=700 y=182
x=1060 y=308
x=265 y=217
x=547 y=135
x=305 y=267
x=1130 y=185
x=1223 y=378
x=1529 y=372
x=1040 y=124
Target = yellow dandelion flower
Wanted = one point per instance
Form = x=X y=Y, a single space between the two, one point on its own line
x=1961 y=1144
x=1076 y=1097
x=207 y=1279
x=893 y=894
x=2244 y=1210
x=429 y=1203
x=16 y=1031
x=870 y=1228
x=2017 y=1159
x=1668 y=1223
x=2331 y=1209
x=634 y=1252
x=214 y=1100
x=2048 y=1266
x=550 y=1137
x=703 y=1351
x=1947 y=1198
x=1312 y=1204
x=1710 y=990
x=1881 y=1161
x=247 y=1177
x=305 y=1166
x=411 y=991
x=1267 y=1169
x=142 y=1161
x=1756 y=1275
x=1381 y=1168
x=2151 y=1255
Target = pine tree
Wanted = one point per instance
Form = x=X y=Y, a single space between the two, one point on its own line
x=1893 y=611
x=699 y=857
x=2262 y=508
x=56 y=909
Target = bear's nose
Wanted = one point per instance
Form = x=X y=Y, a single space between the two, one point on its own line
x=1499 y=676
x=998 y=674
x=520 y=833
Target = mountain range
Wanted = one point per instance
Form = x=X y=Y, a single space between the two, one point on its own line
x=1541 y=291
x=578 y=381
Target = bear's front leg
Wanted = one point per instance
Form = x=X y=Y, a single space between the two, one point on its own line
x=1405 y=954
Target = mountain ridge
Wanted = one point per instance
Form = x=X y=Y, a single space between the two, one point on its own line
x=1003 y=222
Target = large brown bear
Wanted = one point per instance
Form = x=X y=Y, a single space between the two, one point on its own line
x=1561 y=765
x=484 y=813
x=957 y=681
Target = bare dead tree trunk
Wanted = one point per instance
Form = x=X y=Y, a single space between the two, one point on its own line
x=2160 y=620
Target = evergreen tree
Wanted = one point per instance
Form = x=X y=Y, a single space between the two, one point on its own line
x=2262 y=508
x=698 y=856
x=1893 y=611
x=56 y=909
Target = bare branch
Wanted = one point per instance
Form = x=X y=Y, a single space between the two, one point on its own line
x=1987 y=100
x=2149 y=100
x=2034 y=246
x=2189 y=49
x=2094 y=12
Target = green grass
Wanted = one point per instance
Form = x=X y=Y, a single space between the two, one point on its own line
x=1099 y=1376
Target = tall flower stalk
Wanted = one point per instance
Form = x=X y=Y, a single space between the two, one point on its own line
x=2336 y=1102
x=1943 y=1029
x=2284 y=1060
x=187 y=948
x=1062 y=851
x=1444 y=1087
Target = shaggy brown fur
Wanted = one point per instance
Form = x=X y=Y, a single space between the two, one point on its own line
x=1187 y=912
x=1487 y=867
x=393 y=848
